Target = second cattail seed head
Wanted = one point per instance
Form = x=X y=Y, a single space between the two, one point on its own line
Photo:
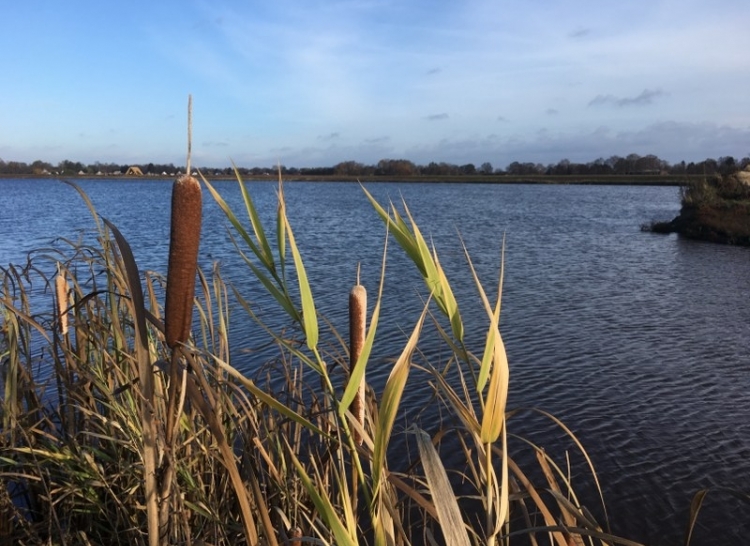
x=357 y=329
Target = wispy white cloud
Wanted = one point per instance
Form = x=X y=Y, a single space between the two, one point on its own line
x=647 y=96
x=580 y=33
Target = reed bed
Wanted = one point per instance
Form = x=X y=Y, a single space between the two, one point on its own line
x=115 y=430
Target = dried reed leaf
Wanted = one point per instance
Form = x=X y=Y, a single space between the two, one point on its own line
x=494 y=316
x=493 y=418
x=695 y=507
x=585 y=454
x=443 y=497
x=549 y=519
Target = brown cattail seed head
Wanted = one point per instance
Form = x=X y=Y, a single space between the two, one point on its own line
x=61 y=291
x=184 y=239
x=357 y=327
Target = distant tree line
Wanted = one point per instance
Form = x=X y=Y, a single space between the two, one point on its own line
x=632 y=164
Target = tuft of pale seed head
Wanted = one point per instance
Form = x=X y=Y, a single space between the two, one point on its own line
x=61 y=292
x=184 y=240
x=357 y=334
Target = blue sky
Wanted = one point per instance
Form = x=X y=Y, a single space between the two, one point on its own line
x=313 y=83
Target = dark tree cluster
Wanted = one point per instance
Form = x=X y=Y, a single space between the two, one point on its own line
x=632 y=165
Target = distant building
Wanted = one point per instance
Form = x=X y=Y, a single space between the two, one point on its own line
x=134 y=171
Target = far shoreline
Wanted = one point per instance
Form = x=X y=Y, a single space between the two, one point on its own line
x=585 y=180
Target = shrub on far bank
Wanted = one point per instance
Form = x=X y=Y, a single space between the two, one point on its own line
x=715 y=209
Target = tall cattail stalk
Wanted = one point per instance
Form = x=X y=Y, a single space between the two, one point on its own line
x=182 y=268
x=357 y=326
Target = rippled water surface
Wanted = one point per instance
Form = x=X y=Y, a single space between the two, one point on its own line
x=638 y=342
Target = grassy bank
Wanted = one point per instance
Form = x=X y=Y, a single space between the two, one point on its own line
x=122 y=425
x=715 y=210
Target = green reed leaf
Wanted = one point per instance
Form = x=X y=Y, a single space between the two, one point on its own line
x=309 y=315
x=449 y=302
x=415 y=246
x=280 y=235
x=260 y=234
x=227 y=210
x=280 y=296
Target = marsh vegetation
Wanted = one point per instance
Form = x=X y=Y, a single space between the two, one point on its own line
x=715 y=209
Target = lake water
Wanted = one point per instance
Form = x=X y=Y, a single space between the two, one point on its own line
x=639 y=342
